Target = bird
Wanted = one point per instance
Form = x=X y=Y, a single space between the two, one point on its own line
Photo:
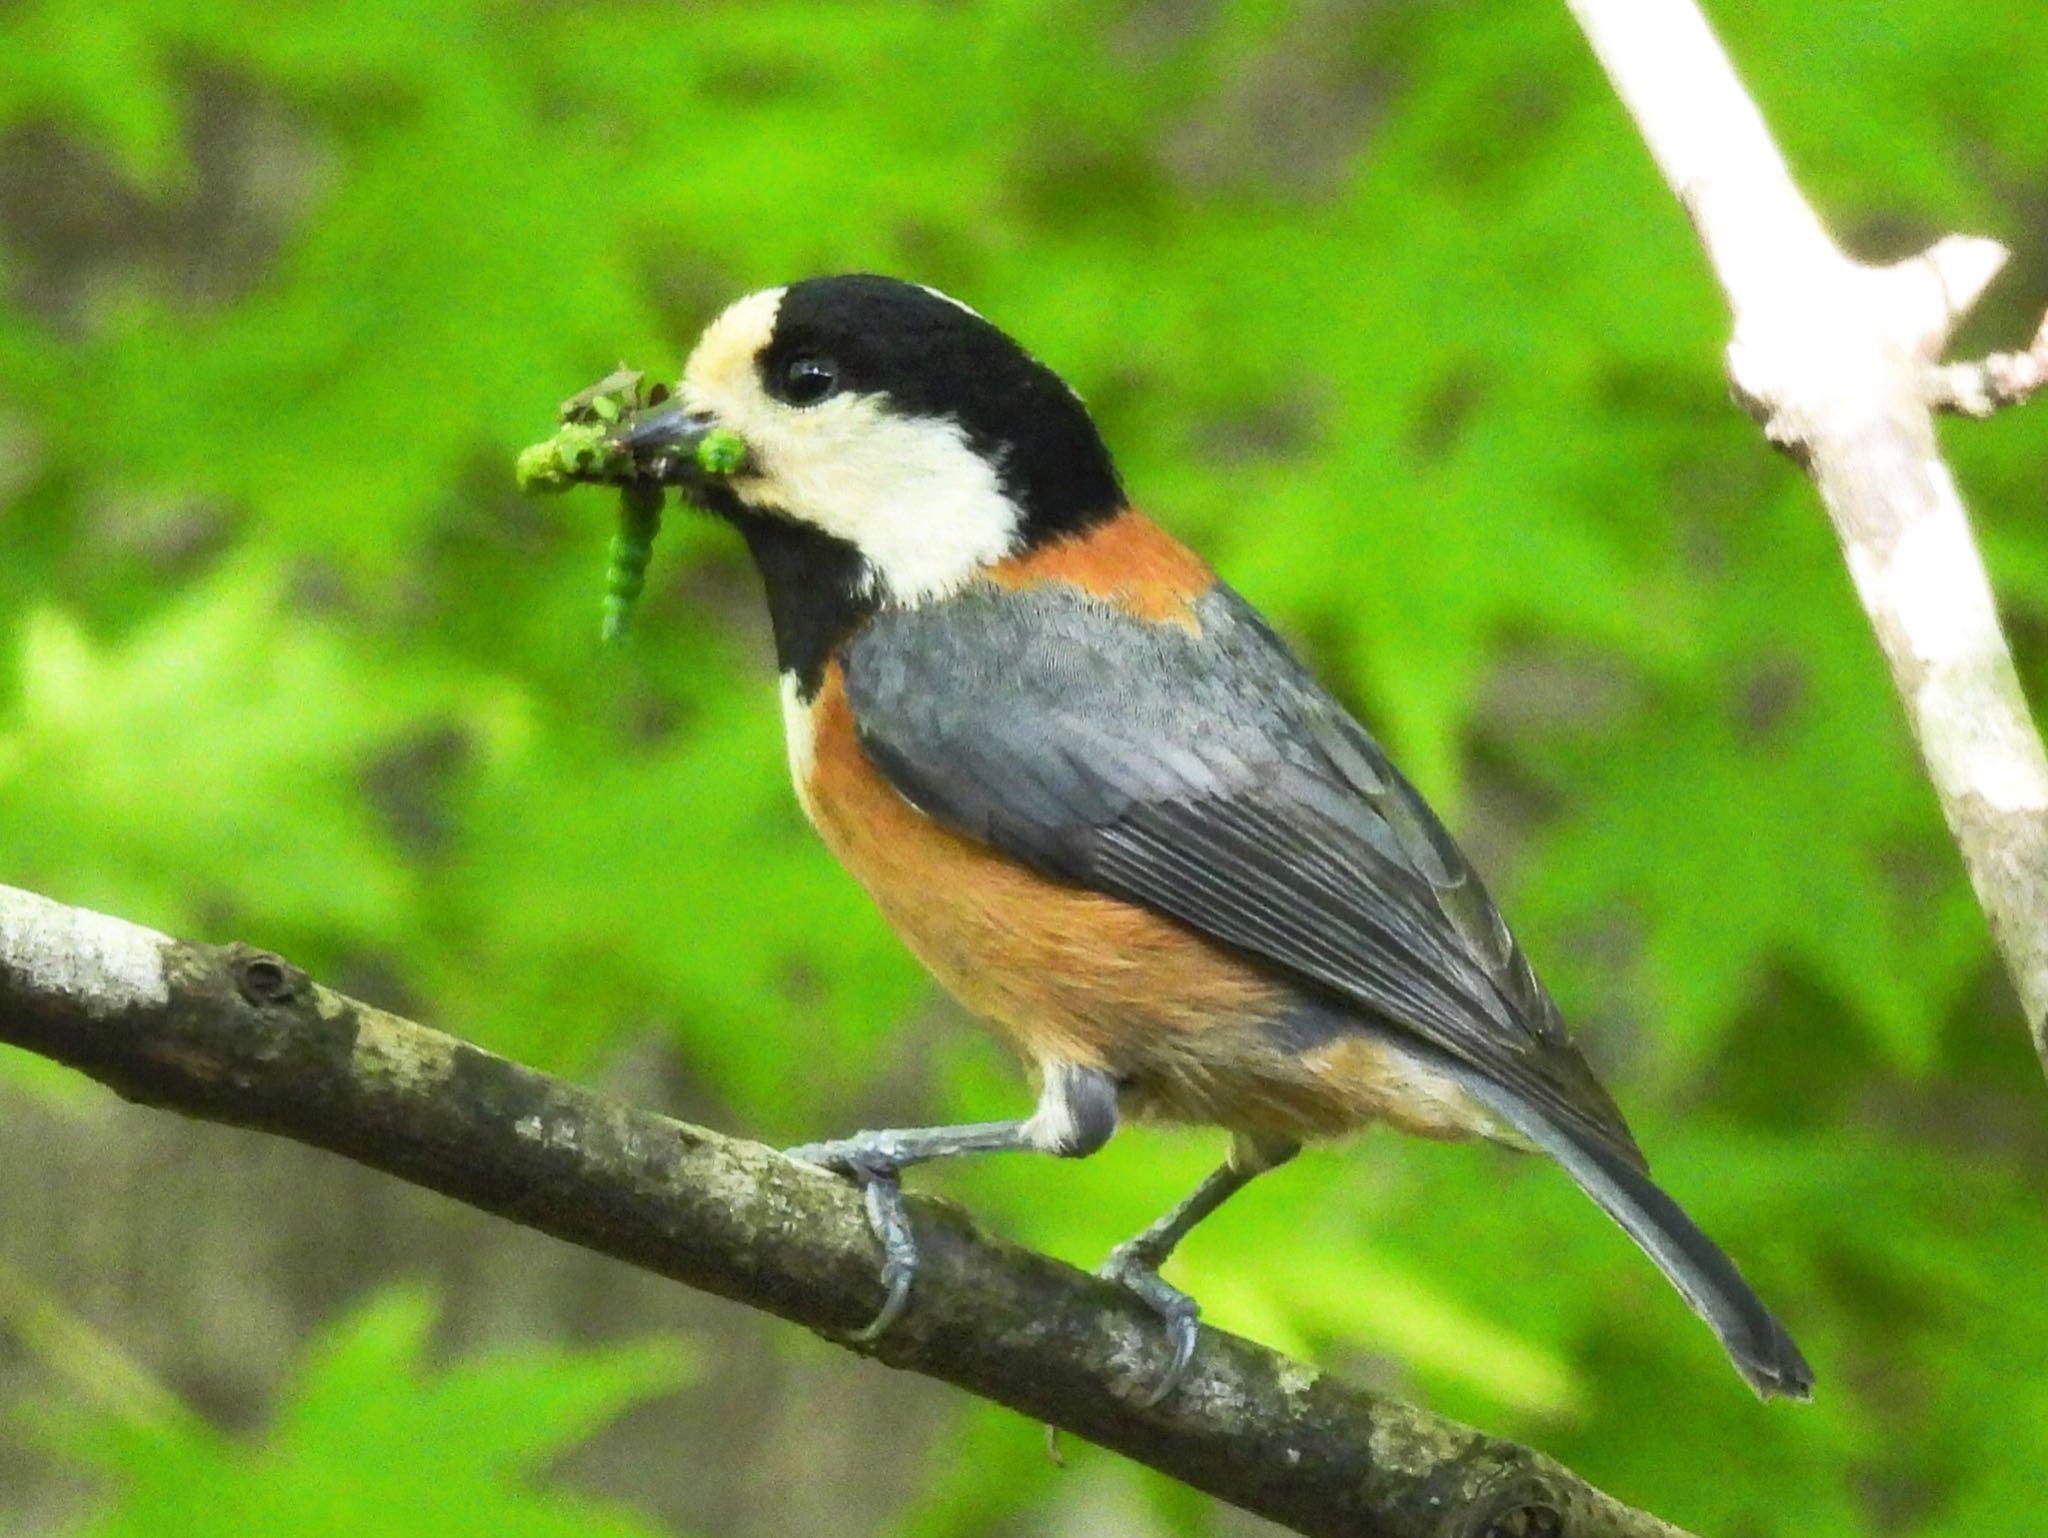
x=1106 y=806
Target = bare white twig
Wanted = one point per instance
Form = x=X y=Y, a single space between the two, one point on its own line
x=1990 y=384
x=1839 y=363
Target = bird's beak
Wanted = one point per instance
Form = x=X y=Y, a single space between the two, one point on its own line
x=679 y=447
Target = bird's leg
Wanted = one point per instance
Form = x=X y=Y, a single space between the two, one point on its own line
x=875 y=1160
x=1075 y=1116
x=1136 y=1262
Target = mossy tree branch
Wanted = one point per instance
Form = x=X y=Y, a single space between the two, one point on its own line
x=235 y=1035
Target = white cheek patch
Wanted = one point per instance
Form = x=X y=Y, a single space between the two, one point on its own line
x=911 y=494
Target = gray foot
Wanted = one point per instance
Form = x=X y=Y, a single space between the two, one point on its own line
x=867 y=1163
x=1132 y=1266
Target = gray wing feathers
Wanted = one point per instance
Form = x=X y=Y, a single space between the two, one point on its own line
x=1208 y=777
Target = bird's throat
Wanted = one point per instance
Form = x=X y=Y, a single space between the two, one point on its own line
x=819 y=591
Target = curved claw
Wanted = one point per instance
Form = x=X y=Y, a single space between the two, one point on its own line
x=1180 y=1314
x=888 y=1220
x=883 y=1198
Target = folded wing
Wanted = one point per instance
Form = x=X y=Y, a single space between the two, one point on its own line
x=1203 y=774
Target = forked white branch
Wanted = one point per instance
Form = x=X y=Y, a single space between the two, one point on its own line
x=1840 y=363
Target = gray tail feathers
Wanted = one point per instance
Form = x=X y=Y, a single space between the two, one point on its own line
x=1704 y=1276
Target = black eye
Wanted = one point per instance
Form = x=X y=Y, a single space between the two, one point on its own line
x=808 y=379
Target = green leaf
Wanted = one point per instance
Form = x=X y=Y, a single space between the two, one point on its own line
x=372 y=1440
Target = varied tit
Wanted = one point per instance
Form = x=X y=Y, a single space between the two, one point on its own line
x=1104 y=803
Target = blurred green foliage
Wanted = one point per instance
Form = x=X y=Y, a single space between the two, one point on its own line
x=372 y=1443
x=1382 y=306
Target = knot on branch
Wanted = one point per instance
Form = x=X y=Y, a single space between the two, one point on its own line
x=1525 y=1505
x=264 y=977
x=1478 y=1488
x=1525 y=1519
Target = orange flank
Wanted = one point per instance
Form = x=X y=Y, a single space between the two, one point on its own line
x=1128 y=560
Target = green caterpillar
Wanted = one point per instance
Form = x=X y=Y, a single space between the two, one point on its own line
x=631 y=549
x=584 y=451
x=721 y=451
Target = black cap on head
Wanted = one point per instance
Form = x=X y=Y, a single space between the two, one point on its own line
x=933 y=357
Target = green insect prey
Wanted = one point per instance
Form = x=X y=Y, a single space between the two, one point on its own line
x=585 y=451
x=631 y=549
x=721 y=451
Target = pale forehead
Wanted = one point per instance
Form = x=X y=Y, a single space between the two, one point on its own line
x=733 y=341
